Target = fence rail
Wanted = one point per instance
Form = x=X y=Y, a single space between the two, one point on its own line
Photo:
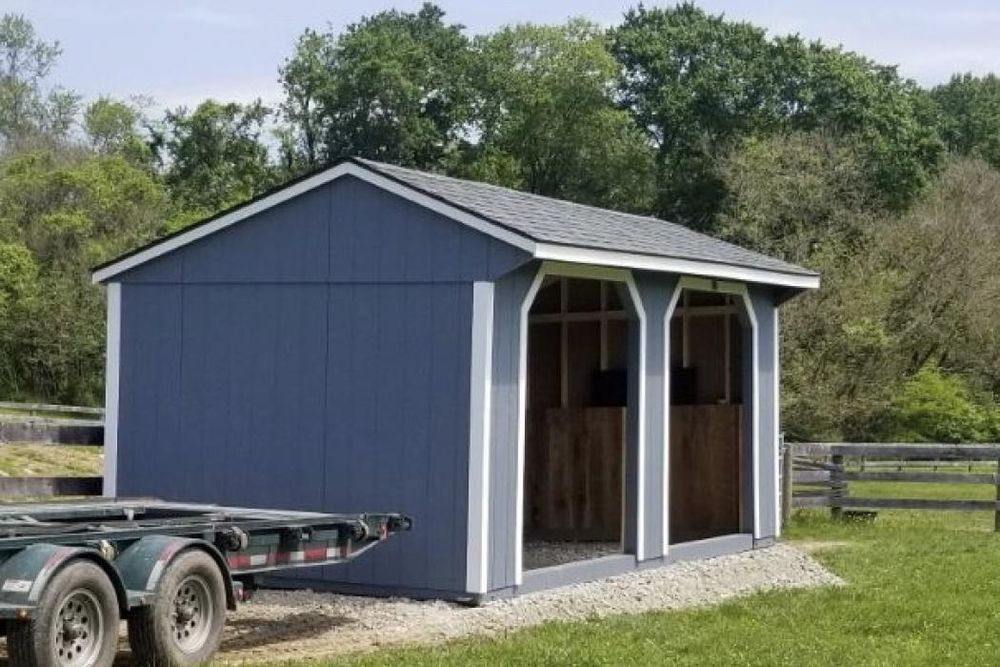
x=819 y=474
x=49 y=424
x=50 y=409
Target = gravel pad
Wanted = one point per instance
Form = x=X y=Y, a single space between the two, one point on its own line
x=284 y=625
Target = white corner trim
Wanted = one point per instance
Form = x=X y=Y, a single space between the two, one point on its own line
x=111 y=384
x=667 y=316
x=640 y=491
x=480 y=385
x=688 y=267
x=755 y=415
x=724 y=287
x=777 y=424
x=333 y=173
x=595 y=273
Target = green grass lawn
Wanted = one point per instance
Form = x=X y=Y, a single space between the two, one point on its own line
x=924 y=589
x=24 y=460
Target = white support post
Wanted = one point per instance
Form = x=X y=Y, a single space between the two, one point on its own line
x=480 y=387
x=111 y=390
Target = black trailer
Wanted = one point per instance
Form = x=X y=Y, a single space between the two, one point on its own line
x=69 y=572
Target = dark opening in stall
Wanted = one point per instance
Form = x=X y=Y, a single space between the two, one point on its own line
x=710 y=377
x=579 y=439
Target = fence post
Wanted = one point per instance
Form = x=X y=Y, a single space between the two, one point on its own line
x=786 y=481
x=837 y=485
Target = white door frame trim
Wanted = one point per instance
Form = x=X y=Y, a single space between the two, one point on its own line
x=722 y=287
x=593 y=273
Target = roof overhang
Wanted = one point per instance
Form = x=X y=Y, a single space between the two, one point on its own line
x=540 y=250
x=680 y=266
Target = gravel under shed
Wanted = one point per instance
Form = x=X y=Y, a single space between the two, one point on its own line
x=546 y=554
x=281 y=625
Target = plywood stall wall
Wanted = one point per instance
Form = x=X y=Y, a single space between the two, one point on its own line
x=705 y=485
x=575 y=440
x=573 y=478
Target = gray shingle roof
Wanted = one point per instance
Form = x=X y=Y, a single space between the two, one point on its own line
x=547 y=220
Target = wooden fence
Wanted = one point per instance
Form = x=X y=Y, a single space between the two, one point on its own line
x=820 y=474
x=46 y=424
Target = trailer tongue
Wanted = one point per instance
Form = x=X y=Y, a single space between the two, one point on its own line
x=70 y=571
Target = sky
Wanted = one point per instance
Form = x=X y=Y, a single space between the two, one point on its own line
x=180 y=52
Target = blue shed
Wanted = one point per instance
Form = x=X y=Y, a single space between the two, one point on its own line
x=554 y=392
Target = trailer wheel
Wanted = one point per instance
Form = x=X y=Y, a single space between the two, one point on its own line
x=184 y=624
x=76 y=624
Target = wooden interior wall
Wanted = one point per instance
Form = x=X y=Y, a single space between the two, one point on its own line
x=573 y=484
x=574 y=451
x=705 y=480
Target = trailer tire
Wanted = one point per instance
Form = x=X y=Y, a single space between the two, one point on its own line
x=77 y=615
x=183 y=626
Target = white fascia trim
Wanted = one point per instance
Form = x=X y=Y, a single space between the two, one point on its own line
x=480 y=384
x=595 y=273
x=739 y=289
x=687 y=267
x=111 y=392
x=283 y=195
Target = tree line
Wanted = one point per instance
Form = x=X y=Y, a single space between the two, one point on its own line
x=792 y=147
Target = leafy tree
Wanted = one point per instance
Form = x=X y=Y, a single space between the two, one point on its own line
x=947 y=247
x=112 y=127
x=305 y=77
x=699 y=84
x=888 y=118
x=788 y=194
x=934 y=407
x=547 y=122
x=899 y=291
x=969 y=109
x=214 y=156
x=392 y=87
x=696 y=84
x=18 y=293
x=25 y=61
x=61 y=213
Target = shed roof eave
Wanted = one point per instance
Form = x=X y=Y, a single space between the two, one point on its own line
x=676 y=265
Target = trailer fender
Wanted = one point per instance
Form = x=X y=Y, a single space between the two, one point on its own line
x=24 y=575
x=142 y=564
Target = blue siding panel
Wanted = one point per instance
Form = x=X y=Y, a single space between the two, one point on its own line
x=149 y=408
x=316 y=356
x=287 y=243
